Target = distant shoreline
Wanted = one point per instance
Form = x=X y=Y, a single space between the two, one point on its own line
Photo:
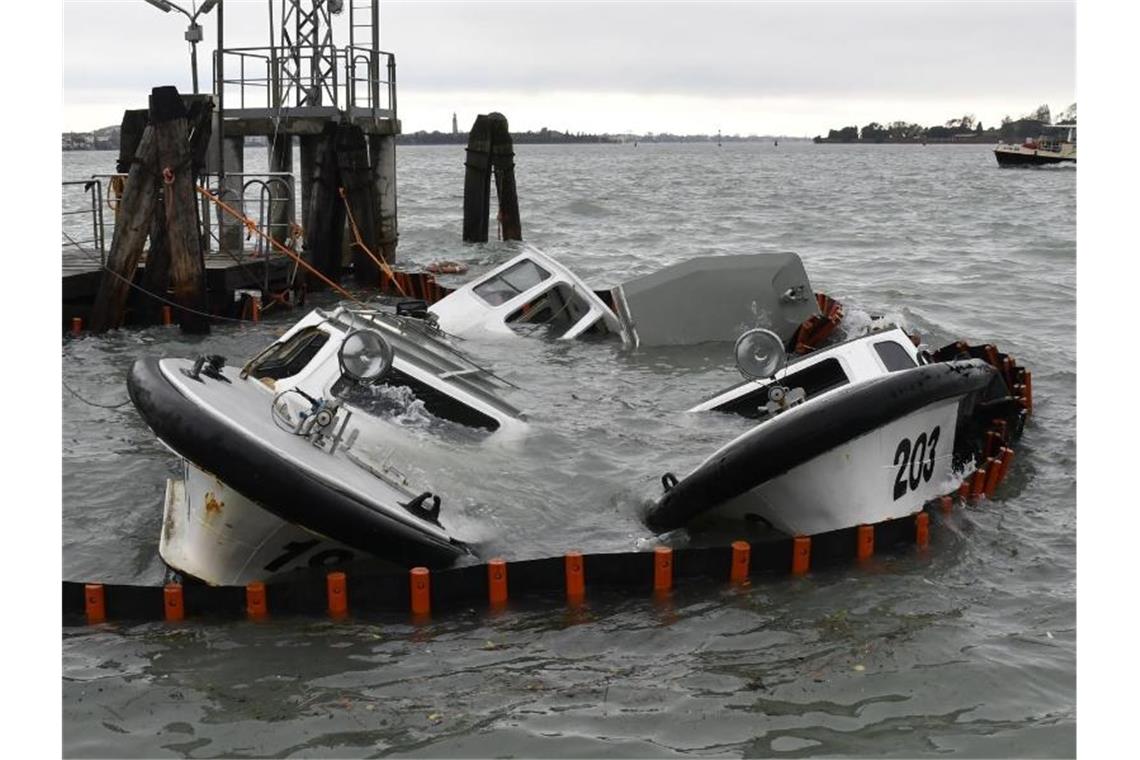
x=984 y=140
x=107 y=138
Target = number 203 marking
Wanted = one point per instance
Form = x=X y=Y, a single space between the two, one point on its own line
x=915 y=462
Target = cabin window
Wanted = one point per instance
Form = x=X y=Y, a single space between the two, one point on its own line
x=818 y=378
x=556 y=311
x=371 y=398
x=894 y=356
x=290 y=357
x=510 y=282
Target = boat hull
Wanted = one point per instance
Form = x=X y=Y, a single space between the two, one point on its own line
x=868 y=479
x=213 y=533
x=1031 y=158
x=862 y=454
x=210 y=424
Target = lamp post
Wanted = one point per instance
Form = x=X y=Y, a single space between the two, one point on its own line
x=193 y=32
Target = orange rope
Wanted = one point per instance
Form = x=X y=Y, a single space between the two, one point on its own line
x=115 y=188
x=380 y=262
x=252 y=227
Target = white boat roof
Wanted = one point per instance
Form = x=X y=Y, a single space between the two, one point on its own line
x=529 y=289
x=856 y=360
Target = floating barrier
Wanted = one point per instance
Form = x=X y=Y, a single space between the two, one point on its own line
x=497 y=582
x=864 y=542
x=741 y=561
x=575 y=576
x=662 y=568
x=420 y=578
x=361 y=589
x=172 y=595
x=255 y=605
x=801 y=555
x=336 y=585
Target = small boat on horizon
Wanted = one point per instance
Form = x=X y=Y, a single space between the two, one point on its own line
x=1057 y=146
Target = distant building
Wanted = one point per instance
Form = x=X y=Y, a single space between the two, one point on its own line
x=454 y=124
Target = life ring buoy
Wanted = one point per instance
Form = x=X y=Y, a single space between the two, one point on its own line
x=446 y=267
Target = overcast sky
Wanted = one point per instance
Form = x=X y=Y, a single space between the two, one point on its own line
x=746 y=67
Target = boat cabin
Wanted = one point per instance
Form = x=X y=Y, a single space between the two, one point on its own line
x=821 y=372
x=531 y=292
x=451 y=386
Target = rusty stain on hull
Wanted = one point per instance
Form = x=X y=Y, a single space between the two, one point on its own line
x=213 y=506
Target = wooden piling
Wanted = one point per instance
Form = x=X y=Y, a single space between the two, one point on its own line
x=156 y=276
x=382 y=151
x=131 y=130
x=356 y=179
x=489 y=146
x=477 y=182
x=503 y=162
x=231 y=231
x=136 y=207
x=168 y=117
x=324 y=213
x=282 y=201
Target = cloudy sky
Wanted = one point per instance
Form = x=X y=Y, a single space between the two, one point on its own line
x=744 y=67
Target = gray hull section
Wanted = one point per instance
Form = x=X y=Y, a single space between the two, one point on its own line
x=716 y=298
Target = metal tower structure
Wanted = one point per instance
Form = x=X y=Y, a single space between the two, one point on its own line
x=305 y=72
x=308 y=59
x=337 y=100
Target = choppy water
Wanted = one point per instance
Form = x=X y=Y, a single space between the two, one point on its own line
x=970 y=650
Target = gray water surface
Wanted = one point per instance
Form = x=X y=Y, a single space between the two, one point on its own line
x=969 y=649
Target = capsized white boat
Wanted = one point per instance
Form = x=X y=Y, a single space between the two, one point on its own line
x=281 y=456
x=707 y=298
x=856 y=433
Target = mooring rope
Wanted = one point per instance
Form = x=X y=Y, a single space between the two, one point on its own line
x=359 y=241
x=141 y=289
x=75 y=393
x=253 y=227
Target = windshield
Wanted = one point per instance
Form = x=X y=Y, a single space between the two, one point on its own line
x=510 y=282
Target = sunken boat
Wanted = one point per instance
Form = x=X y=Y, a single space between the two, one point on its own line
x=862 y=431
x=284 y=462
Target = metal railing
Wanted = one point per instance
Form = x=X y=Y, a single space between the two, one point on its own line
x=274 y=81
x=93 y=208
x=267 y=198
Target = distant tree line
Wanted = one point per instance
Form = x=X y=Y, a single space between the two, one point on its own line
x=544 y=135
x=960 y=129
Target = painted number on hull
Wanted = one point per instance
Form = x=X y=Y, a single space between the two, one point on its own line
x=294 y=549
x=915 y=462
